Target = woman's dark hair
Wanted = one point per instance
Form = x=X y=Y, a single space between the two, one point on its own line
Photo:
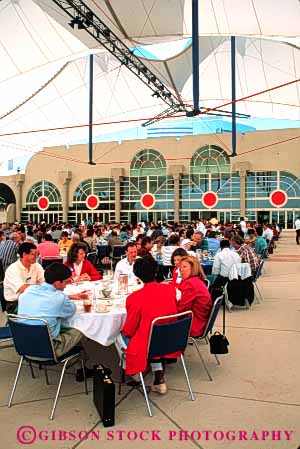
x=189 y=233
x=146 y=240
x=57 y=272
x=73 y=252
x=251 y=232
x=174 y=239
x=90 y=232
x=145 y=269
x=26 y=247
x=178 y=252
x=64 y=234
x=181 y=232
x=48 y=238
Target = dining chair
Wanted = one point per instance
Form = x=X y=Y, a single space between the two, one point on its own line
x=34 y=344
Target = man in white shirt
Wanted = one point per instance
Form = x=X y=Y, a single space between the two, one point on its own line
x=21 y=274
x=297 y=227
x=223 y=262
x=125 y=266
x=243 y=225
x=268 y=233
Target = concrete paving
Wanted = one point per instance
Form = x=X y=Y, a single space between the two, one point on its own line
x=255 y=390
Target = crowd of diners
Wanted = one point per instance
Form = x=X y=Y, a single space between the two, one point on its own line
x=30 y=290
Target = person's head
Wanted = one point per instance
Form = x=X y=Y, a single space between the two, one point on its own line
x=48 y=238
x=28 y=253
x=190 y=267
x=147 y=243
x=242 y=219
x=76 y=253
x=177 y=255
x=64 y=236
x=182 y=233
x=228 y=234
x=160 y=241
x=89 y=232
x=224 y=244
x=131 y=251
x=212 y=234
x=198 y=237
x=189 y=233
x=251 y=232
x=174 y=240
x=259 y=231
x=138 y=241
x=145 y=269
x=237 y=241
x=2 y=236
x=58 y=275
x=76 y=238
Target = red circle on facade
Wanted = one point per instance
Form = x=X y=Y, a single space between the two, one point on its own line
x=92 y=202
x=43 y=203
x=210 y=199
x=148 y=200
x=278 y=198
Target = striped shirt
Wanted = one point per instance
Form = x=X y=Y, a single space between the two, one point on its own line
x=8 y=253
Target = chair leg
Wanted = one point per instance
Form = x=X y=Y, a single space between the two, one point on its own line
x=217 y=359
x=202 y=360
x=122 y=373
x=260 y=295
x=146 y=395
x=46 y=376
x=31 y=369
x=15 y=382
x=84 y=377
x=187 y=377
x=58 y=389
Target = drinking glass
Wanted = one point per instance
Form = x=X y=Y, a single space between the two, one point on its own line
x=87 y=305
x=123 y=283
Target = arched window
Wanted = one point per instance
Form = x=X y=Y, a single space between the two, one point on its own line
x=103 y=188
x=148 y=162
x=210 y=159
x=43 y=188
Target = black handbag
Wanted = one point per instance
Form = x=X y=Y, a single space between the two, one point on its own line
x=104 y=395
x=218 y=344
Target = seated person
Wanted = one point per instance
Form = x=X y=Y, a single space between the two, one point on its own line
x=82 y=269
x=21 y=274
x=250 y=239
x=246 y=253
x=65 y=243
x=146 y=246
x=167 y=251
x=212 y=242
x=49 y=302
x=260 y=242
x=198 y=242
x=90 y=239
x=194 y=294
x=177 y=255
x=157 y=248
x=125 y=266
x=142 y=307
x=223 y=261
x=48 y=248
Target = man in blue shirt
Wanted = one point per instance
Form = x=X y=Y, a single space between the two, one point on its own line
x=48 y=301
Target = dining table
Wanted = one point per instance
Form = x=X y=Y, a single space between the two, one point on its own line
x=107 y=316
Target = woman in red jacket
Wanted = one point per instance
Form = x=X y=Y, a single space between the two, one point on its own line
x=194 y=294
x=82 y=269
x=143 y=306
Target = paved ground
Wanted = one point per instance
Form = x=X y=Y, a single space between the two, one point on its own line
x=255 y=390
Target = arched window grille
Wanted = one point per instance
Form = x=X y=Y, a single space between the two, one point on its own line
x=43 y=188
x=148 y=162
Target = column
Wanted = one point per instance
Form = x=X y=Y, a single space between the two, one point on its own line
x=65 y=179
x=176 y=171
x=117 y=174
x=20 y=179
x=242 y=174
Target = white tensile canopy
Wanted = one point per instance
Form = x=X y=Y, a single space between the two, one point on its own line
x=44 y=65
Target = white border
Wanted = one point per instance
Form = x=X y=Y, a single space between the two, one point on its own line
x=141 y=200
x=214 y=205
x=285 y=194
x=86 y=202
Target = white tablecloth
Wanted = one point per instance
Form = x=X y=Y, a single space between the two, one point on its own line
x=100 y=327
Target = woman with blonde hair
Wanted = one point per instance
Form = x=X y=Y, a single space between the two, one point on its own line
x=194 y=294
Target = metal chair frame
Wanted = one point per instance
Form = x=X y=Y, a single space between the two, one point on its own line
x=208 y=329
x=63 y=361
